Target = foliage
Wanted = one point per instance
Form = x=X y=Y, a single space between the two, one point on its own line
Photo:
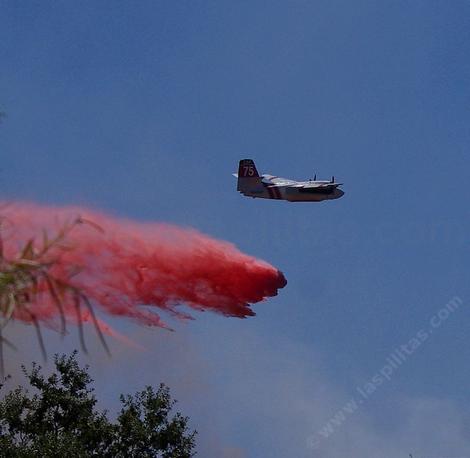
x=60 y=419
x=27 y=276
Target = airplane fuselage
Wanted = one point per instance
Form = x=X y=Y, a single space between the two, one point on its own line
x=291 y=192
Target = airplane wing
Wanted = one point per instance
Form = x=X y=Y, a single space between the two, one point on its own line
x=296 y=184
x=273 y=181
x=318 y=185
x=277 y=182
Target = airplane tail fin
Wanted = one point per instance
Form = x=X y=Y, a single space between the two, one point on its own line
x=247 y=169
x=248 y=176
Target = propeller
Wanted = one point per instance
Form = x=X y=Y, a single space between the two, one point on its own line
x=315 y=177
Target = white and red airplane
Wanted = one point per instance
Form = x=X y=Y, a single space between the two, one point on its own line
x=252 y=184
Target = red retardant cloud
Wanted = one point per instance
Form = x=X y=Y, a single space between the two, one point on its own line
x=134 y=269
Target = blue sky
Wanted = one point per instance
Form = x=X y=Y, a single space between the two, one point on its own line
x=144 y=108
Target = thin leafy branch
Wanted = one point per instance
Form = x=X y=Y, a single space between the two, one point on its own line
x=27 y=278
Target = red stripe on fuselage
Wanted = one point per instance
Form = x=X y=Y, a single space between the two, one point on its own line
x=273 y=192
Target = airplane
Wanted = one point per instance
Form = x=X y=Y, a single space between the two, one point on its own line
x=252 y=184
